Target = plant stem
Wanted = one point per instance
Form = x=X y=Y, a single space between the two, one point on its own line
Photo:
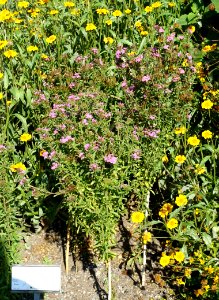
x=145 y=247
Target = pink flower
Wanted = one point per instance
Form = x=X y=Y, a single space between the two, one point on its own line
x=81 y=155
x=66 y=139
x=146 y=78
x=110 y=158
x=86 y=147
x=54 y=165
x=136 y=154
x=181 y=71
x=94 y=167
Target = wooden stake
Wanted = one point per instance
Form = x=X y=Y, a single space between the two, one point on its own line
x=67 y=250
x=145 y=246
x=109 y=281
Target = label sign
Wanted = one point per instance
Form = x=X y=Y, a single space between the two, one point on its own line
x=39 y=278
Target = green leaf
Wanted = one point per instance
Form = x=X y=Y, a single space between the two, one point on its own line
x=23 y=121
x=207 y=239
x=6 y=80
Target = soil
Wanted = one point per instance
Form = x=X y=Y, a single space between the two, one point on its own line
x=86 y=279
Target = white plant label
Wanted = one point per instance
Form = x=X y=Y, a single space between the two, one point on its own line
x=36 y=278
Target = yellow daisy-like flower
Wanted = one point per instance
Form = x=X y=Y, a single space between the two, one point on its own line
x=10 y=53
x=156 y=4
x=165 y=159
x=181 y=200
x=90 y=27
x=199 y=170
x=3 y=44
x=165 y=260
x=109 y=22
x=171 y=4
x=207 y=104
x=207 y=48
x=191 y=29
x=2 y=2
x=18 y=167
x=128 y=11
x=69 y=4
x=53 y=12
x=144 y=32
x=1 y=75
x=172 y=223
x=23 y=4
x=207 y=134
x=179 y=256
x=32 y=48
x=51 y=39
x=179 y=281
x=180 y=159
x=117 y=13
x=108 y=40
x=75 y=12
x=165 y=210
x=1 y=96
x=193 y=141
x=102 y=11
x=146 y=237
x=180 y=130
x=44 y=56
x=137 y=217
x=25 y=137
x=148 y=9
x=138 y=24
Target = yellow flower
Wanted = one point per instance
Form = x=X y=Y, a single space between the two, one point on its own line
x=24 y=4
x=191 y=29
x=128 y=11
x=207 y=134
x=25 y=137
x=207 y=104
x=53 y=12
x=165 y=159
x=172 y=223
x=179 y=256
x=42 y=2
x=102 y=11
x=132 y=53
x=148 y=9
x=69 y=4
x=180 y=281
x=138 y=24
x=32 y=48
x=44 y=56
x=165 y=260
x=181 y=200
x=180 y=130
x=188 y=273
x=185 y=63
x=207 y=48
x=75 y=12
x=109 y=22
x=1 y=75
x=199 y=170
x=117 y=13
x=144 y=32
x=171 y=4
x=147 y=236
x=198 y=292
x=90 y=27
x=18 y=167
x=42 y=151
x=108 y=40
x=180 y=159
x=1 y=96
x=10 y=53
x=5 y=15
x=2 y=2
x=51 y=39
x=156 y=4
x=137 y=217
x=165 y=210
x=3 y=44
x=8 y=102
x=193 y=141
